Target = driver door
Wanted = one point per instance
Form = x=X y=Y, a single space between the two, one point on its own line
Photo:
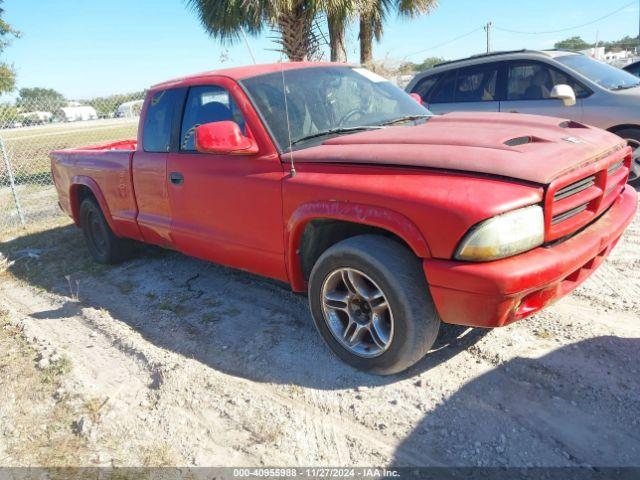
x=225 y=208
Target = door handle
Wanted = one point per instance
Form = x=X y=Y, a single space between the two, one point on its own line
x=176 y=178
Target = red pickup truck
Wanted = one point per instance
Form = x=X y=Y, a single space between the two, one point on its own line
x=330 y=178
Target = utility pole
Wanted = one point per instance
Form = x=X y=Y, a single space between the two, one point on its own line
x=487 y=29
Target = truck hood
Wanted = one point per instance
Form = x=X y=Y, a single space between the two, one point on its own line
x=526 y=147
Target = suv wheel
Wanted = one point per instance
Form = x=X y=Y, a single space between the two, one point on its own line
x=102 y=243
x=632 y=136
x=371 y=304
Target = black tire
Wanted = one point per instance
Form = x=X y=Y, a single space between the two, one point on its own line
x=632 y=135
x=102 y=243
x=398 y=274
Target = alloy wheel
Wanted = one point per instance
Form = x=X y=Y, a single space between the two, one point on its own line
x=635 y=162
x=357 y=312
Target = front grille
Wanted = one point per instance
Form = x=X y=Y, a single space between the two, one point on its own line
x=568 y=214
x=575 y=200
x=613 y=168
x=574 y=188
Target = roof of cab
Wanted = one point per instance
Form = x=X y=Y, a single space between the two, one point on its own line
x=239 y=73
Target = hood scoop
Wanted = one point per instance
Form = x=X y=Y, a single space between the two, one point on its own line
x=571 y=124
x=517 y=141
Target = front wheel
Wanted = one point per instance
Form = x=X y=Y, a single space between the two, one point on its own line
x=371 y=304
x=632 y=136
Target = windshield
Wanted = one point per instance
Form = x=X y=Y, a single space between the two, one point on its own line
x=603 y=74
x=323 y=99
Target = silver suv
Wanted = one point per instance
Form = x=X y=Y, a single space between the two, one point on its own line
x=551 y=82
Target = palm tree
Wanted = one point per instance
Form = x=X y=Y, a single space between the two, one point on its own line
x=339 y=12
x=373 y=14
x=292 y=19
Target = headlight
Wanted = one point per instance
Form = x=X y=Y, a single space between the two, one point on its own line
x=503 y=235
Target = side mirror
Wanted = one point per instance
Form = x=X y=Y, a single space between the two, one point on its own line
x=564 y=93
x=223 y=138
x=417 y=98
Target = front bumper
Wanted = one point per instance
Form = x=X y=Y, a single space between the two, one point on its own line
x=494 y=294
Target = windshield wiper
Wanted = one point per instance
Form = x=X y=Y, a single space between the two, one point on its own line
x=334 y=131
x=407 y=118
x=625 y=87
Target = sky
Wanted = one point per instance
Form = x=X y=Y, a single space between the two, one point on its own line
x=87 y=48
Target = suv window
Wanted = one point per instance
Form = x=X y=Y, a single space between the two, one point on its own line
x=425 y=86
x=206 y=104
x=156 y=133
x=444 y=90
x=477 y=83
x=534 y=81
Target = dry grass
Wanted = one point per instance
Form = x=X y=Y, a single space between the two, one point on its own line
x=41 y=429
x=44 y=260
x=158 y=455
x=93 y=408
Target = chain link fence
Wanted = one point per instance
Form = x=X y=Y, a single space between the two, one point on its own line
x=30 y=129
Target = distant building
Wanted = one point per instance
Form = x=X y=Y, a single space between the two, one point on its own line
x=594 y=52
x=129 y=109
x=617 y=58
x=36 y=117
x=77 y=113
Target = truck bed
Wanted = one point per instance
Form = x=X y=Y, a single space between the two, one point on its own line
x=106 y=169
x=127 y=145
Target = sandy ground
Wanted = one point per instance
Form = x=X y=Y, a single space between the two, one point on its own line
x=174 y=361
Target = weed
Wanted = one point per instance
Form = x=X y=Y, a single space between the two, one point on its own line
x=126 y=287
x=93 y=406
x=158 y=455
x=56 y=369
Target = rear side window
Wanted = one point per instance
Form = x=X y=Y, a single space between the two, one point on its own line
x=425 y=86
x=207 y=104
x=477 y=83
x=156 y=134
x=444 y=90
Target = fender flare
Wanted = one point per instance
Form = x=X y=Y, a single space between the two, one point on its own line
x=374 y=216
x=91 y=184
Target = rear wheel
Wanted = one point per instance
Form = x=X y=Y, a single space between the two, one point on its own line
x=371 y=304
x=632 y=136
x=102 y=243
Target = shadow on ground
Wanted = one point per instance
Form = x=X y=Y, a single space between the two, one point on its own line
x=232 y=321
x=578 y=405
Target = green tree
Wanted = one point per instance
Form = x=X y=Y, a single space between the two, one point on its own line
x=43 y=99
x=374 y=13
x=429 y=62
x=7 y=74
x=625 y=43
x=292 y=19
x=573 y=43
x=8 y=115
x=339 y=12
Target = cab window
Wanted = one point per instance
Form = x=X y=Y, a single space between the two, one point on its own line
x=207 y=104
x=156 y=133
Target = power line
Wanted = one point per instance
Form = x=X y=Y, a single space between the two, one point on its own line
x=445 y=43
x=569 y=28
